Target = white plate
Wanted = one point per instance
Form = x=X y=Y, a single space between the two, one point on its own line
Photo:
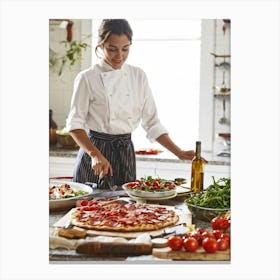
x=71 y=201
x=143 y=194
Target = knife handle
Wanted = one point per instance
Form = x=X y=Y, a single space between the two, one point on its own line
x=114 y=249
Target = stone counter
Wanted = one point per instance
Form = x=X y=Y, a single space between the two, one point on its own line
x=57 y=151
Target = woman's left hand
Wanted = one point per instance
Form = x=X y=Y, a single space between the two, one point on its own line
x=188 y=155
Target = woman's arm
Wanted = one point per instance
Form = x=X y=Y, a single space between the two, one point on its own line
x=100 y=164
x=166 y=142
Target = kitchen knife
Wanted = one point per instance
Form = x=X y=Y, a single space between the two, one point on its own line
x=116 y=249
x=102 y=194
x=179 y=229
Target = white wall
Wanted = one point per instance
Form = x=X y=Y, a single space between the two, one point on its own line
x=61 y=87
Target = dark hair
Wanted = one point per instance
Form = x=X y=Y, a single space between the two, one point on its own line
x=113 y=26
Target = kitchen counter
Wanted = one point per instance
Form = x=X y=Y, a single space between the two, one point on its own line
x=64 y=255
x=166 y=156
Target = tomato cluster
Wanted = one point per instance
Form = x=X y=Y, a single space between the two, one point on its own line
x=211 y=241
x=220 y=223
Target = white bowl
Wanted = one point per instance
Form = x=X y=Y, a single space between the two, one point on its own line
x=69 y=202
x=145 y=194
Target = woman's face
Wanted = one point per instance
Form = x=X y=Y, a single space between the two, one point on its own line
x=116 y=50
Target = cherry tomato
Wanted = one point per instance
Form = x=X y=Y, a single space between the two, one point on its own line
x=208 y=234
x=222 y=244
x=197 y=236
x=170 y=187
x=155 y=183
x=175 y=242
x=217 y=233
x=221 y=223
x=227 y=237
x=190 y=244
x=186 y=235
x=210 y=245
x=200 y=230
x=130 y=185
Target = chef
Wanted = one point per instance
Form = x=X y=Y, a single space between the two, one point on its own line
x=109 y=101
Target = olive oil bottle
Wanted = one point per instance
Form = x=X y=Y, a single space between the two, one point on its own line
x=197 y=175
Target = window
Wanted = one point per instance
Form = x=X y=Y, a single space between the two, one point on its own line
x=169 y=52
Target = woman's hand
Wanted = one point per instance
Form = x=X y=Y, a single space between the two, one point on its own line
x=185 y=155
x=188 y=155
x=100 y=165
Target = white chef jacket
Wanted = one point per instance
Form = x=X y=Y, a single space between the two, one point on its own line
x=113 y=101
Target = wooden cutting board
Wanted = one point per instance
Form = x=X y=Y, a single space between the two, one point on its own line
x=199 y=255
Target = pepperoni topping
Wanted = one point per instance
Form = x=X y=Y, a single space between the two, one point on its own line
x=115 y=214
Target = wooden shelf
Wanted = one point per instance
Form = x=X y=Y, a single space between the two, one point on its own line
x=220 y=55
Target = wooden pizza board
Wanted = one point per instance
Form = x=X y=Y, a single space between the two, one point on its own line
x=184 y=217
x=199 y=255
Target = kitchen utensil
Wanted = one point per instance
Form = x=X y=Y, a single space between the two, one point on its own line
x=179 y=229
x=107 y=181
x=224 y=119
x=115 y=249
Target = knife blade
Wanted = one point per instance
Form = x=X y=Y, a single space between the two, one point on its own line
x=117 y=249
x=109 y=193
x=179 y=229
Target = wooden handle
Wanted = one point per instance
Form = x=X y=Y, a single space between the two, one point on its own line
x=117 y=249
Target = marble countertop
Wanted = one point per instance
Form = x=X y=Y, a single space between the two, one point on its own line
x=165 y=156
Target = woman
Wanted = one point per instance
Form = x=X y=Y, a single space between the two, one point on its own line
x=109 y=101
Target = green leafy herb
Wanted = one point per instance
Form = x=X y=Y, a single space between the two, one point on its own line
x=215 y=196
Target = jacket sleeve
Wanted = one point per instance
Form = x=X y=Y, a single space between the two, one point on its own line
x=79 y=104
x=150 y=121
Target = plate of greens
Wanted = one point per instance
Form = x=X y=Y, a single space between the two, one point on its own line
x=211 y=202
x=64 y=194
x=150 y=187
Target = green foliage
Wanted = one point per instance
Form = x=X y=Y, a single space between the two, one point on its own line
x=73 y=53
x=216 y=195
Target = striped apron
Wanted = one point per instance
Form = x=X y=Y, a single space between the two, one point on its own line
x=117 y=149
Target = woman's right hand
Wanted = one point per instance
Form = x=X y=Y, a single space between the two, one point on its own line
x=100 y=165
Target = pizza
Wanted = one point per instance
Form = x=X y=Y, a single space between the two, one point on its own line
x=114 y=215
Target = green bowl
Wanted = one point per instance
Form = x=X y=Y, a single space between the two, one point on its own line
x=205 y=214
